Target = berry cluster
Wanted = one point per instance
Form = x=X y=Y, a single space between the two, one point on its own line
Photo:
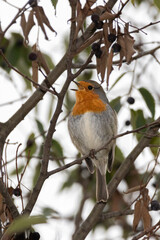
x=97 y=49
x=32 y=236
x=131 y=101
x=95 y=19
x=116 y=47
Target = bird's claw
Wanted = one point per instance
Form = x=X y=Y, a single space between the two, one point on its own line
x=92 y=154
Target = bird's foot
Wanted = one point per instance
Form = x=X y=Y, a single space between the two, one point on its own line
x=92 y=154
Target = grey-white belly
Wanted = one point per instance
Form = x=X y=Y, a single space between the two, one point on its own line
x=91 y=130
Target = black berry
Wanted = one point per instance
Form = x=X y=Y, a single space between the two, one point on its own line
x=111 y=37
x=32 y=56
x=95 y=47
x=98 y=53
x=30 y=142
x=99 y=24
x=33 y=3
x=19 y=42
x=130 y=100
x=17 y=192
x=155 y=205
x=34 y=236
x=127 y=123
x=95 y=18
x=116 y=47
x=20 y=236
x=154 y=185
x=3 y=49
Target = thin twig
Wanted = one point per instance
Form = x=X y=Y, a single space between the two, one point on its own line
x=43 y=88
x=146 y=26
x=21 y=10
x=13 y=101
x=147 y=231
x=83 y=67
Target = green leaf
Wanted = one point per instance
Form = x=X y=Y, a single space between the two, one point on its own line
x=49 y=61
x=40 y=127
x=138 y=120
x=157 y=3
x=156 y=142
x=36 y=173
x=57 y=149
x=133 y=2
x=48 y=212
x=69 y=101
x=31 y=145
x=119 y=157
x=22 y=223
x=20 y=169
x=148 y=99
x=50 y=107
x=116 y=104
x=54 y=2
x=72 y=179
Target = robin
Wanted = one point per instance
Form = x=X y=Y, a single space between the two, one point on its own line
x=92 y=123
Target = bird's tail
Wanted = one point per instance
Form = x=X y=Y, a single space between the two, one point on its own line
x=101 y=187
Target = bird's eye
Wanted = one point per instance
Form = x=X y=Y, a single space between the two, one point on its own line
x=90 y=87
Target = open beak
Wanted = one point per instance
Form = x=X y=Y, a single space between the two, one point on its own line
x=73 y=89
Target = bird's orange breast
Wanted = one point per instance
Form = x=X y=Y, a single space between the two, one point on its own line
x=89 y=102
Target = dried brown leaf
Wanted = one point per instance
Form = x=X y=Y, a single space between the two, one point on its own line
x=98 y=65
x=8 y=215
x=111 y=28
x=10 y=190
x=146 y=218
x=107 y=16
x=138 y=208
x=109 y=66
x=129 y=43
x=145 y=196
x=3 y=217
x=102 y=63
x=42 y=62
x=87 y=8
x=89 y=4
x=30 y=23
x=40 y=20
x=45 y=19
x=34 y=48
x=121 y=41
x=95 y=37
x=98 y=10
x=79 y=19
x=35 y=72
x=105 y=34
x=82 y=13
x=23 y=23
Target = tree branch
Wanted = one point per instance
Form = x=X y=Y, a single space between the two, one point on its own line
x=8 y=200
x=48 y=141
